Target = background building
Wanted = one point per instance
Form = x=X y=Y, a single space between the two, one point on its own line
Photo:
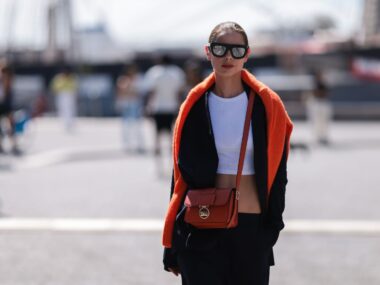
x=371 y=22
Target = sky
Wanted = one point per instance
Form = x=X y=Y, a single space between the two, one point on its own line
x=151 y=23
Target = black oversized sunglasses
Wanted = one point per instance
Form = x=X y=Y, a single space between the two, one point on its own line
x=220 y=50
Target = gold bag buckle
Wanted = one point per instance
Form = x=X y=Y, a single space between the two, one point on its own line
x=204 y=212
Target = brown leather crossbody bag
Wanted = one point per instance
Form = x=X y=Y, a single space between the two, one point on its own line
x=213 y=208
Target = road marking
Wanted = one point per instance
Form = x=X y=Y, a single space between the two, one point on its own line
x=156 y=225
x=56 y=156
x=333 y=226
x=44 y=159
x=79 y=224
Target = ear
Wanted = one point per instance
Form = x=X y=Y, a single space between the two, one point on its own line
x=247 y=55
x=207 y=52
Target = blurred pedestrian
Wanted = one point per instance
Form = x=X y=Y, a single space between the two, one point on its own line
x=207 y=151
x=319 y=109
x=163 y=82
x=129 y=103
x=64 y=87
x=193 y=76
x=6 y=109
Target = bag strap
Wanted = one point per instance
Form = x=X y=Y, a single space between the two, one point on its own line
x=244 y=140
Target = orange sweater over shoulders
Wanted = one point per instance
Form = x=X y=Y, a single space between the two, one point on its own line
x=279 y=128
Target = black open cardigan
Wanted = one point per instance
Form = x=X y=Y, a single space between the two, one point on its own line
x=198 y=162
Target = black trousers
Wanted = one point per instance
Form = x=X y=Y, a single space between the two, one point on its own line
x=164 y=121
x=238 y=256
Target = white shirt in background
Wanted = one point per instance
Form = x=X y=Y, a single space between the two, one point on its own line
x=166 y=82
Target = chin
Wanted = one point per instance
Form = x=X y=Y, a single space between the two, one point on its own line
x=228 y=73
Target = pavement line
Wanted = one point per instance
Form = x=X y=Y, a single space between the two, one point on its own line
x=155 y=225
x=51 y=157
x=333 y=226
x=42 y=159
x=79 y=224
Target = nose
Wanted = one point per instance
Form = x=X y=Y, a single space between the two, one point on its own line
x=228 y=54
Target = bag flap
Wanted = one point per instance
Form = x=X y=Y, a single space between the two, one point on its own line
x=223 y=194
x=207 y=197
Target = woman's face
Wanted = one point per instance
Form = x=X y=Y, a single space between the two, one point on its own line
x=227 y=65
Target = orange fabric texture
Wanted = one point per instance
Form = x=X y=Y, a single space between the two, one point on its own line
x=279 y=128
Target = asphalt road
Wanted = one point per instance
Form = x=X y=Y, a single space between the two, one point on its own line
x=86 y=175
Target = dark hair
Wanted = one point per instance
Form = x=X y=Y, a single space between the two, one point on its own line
x=192 y=64
x=166 y=59
x=227 y=26
x=130 y=68
x=6 y=69
x=66 y=69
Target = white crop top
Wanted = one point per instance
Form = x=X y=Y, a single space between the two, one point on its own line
x=227 y=119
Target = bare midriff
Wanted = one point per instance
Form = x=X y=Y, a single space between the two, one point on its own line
x=248 y=196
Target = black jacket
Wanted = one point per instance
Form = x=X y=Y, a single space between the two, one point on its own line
x=198 y=162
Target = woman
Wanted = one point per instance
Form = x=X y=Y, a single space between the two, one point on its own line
x=319 y=109
x=206 y=147
x=193 y=76
x=164 y=81
x=129 y=88
x=6 y=108
x=65 y=87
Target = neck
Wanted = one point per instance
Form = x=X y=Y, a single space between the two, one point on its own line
x=228 y=86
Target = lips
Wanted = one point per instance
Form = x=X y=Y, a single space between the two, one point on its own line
x=227 y=66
